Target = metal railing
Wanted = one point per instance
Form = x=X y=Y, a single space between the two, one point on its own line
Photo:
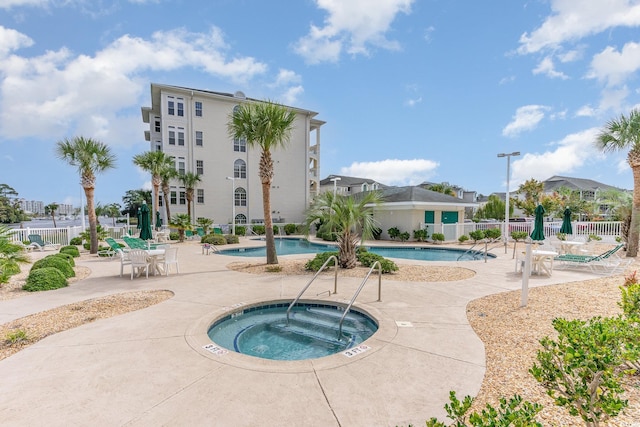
x=353 y=299
x=335 y=282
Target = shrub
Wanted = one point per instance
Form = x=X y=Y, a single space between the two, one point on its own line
x=231 y=239
x=77 y=241
x=404 y=236
x=329 y=236
x=420 y=235
x=393 y=232
x=276 y=229
x=493 y=233
x=71 y=250
x=55 y=262
x=367 y=259
x=630 y=302
x=241 y=230
x=477 y=235
x=15 y=337
x=174 y=235
x=437 y=237
x=214 y=239
x=320 y=258
x=290 y=229
x=463 y=238
x=67 y=257
x=561 y=236
x=258 y=229
x=519 y=235
x=594 y=237
x=87 y=246
x=45 y=279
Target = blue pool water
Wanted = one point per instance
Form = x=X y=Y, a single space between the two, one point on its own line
x=301 y=246
x=312 y=331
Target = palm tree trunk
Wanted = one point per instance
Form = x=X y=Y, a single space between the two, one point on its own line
x=634 y=230
x=53 y=216
x=189 y=200
x=167 y=197
x=93 y=220
x=156 y=181
x=272 y=257
x=347 y=255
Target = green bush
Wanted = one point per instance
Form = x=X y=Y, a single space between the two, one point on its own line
x=420 y=235
x=214 y=239
x=55 y=262
x=320 y=258
x=87 y=246
x=45 y=279
x=328 y=236
x=367 y=259
x=463 y=238
x=493 y=233
x=77 y=241
x=404 y=236
x=290 y=229
x=9 y=268
x=71 y=250
x=437 y=237
x=67 y=257
x=231 y=239
x=477 y=235
x=258 y=229
x=275 y=230
x=393 y=232
x=519 y=235
x=630 y=302
x=241 y=230
x=174 y=235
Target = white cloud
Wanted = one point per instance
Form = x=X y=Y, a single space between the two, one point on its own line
x=413 y=102
x=547 y=68
x=290 y=96
x=350 y=26
x=525 y=119
x=8 y=4
x=613 y=67
x=51 y=95
x=623 y=166
x=11 y=40
x=393 y=171
x=571 y=20
x=506 y=80
x=428 y=33
x=570 y=153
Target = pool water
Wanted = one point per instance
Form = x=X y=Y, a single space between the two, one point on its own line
x=301 y=246
x=312 y=331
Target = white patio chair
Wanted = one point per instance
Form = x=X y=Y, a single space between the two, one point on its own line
x=170 y=258
x=124 y=260
x=139 y=260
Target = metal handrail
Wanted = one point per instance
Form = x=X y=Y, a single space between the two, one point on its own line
x=335 y=280
x=358 y=293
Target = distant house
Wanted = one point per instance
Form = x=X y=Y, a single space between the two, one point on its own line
x=347 y=185
x=587 y=188
x=413 y=208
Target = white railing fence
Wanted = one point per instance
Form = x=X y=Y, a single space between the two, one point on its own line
x=61 y=236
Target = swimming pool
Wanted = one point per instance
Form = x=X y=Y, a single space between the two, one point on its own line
x=311 y=332
x=301 y=246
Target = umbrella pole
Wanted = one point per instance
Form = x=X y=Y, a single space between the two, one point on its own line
x=526 y=272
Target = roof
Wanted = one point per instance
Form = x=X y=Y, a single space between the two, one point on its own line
x=348 y=181
x=419 y=194
x=580 y=184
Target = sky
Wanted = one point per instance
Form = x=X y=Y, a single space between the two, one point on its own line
x=411 y=90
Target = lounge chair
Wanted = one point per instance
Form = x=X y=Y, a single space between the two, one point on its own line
x=200 y=231
x=607 y=262
x=38 y=243
x=137 y=243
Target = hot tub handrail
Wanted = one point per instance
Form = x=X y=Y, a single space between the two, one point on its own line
x=353 y=299
x=335 y=282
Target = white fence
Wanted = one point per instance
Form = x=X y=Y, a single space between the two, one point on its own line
x=607 y=230
x=61 y=236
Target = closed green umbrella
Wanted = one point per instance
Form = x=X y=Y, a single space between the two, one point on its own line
x=538 y=224
x=158 y=220
x=145 y=227
x=139 y=216
x=566 y=222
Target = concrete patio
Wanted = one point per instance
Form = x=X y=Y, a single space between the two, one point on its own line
x=149 y=367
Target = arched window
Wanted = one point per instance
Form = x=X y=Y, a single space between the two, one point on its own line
x=239 y=169
x=241 y=219
x=240 y=197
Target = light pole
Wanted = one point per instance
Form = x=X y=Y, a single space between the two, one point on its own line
x=335 y=185
x=506 y=197
x=233 y=204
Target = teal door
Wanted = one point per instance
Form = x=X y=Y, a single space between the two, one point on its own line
x=449 y=217
x=429 y=217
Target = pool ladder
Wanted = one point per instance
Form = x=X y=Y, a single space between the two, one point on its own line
x=486 y=250
x=335 y=282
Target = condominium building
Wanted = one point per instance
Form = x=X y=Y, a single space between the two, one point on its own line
x=191 y=126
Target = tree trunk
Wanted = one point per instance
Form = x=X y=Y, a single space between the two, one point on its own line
x=93 y=220
x=167 y=197
x=272 y=257
x=634 y=231
x=156 y=181
x=347 y=256
x=189 y=200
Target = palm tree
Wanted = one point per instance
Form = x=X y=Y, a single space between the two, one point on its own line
x=189 y=180
x=91 y=157
x=182 y=222
x=166 y=175
x=622 y=134
x=267 y=125
x=10 y=254
x=51 y=209
x=347 y=215
x=205 y=223
x=442 y=188
x=154 y=162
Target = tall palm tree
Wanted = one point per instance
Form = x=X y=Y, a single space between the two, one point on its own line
x=190 y=180
x=154 y=162
x=348 y=216
x=51 y=209
x=623 y=134
x=166 y=175
x=268 y=126
x=91 y=157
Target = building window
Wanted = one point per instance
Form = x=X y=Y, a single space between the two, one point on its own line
x=174 y=198
x=172 y=136
x=180 y=166
x=199 y=138
x=240 y=145
x=181 y=137
x=183 y=198
x=160 y=200
x=171 y=106
x=180 y=109
x=200 y=195
x=198 y=109
x=241 y=219
x=199 y=167
x=239 y=169
x=157 y=125
x=240 y=197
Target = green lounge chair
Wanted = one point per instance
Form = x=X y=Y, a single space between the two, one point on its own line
x=606 y=262
x=38 y=243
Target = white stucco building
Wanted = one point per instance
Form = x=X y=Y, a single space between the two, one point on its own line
x=191 y=126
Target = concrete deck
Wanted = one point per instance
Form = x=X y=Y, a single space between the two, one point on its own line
x=149 y=367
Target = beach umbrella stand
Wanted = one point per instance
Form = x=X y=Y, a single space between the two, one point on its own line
x=145 y=227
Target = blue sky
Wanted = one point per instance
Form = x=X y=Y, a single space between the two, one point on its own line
x=411 y=90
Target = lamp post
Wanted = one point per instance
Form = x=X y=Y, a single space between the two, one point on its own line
x=506 y=198
x=335 y=185
x=233 y=204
